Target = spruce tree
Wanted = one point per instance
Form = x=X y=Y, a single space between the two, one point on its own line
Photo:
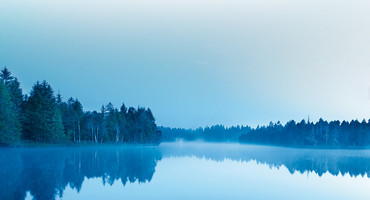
x=122 y=123
x=43 y=120
x=10 y=129
x=16 y=94
x=6 y=75
x=78 y=110
x=14 y=89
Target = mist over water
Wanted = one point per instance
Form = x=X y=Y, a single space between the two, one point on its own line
x=184 y=170
x=97 y=99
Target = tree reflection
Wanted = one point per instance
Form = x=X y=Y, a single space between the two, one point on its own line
x=46 y=172
x=336 y=162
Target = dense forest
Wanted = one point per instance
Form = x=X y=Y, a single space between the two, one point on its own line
x=44 y=117
x=217 y=133
x=322 y=134
x=334 y=134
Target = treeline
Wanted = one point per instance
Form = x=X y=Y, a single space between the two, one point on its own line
x=44 y=117
x=335 y=134
x=217 y=133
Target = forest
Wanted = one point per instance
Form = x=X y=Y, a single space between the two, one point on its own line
x=322 y=134
x=43 y=117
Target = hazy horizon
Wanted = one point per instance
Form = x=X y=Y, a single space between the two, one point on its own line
x=197 y=63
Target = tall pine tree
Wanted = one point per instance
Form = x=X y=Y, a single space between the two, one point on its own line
x=10 y=127
x=43 y=120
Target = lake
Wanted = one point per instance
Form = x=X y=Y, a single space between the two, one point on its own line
x=183 y=170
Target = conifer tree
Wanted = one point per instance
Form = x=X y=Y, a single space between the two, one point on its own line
x=16 y=94
x=43 y=120
x=10 y=127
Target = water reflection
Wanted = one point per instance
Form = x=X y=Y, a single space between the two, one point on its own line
x=46 y=172
x=334 y=161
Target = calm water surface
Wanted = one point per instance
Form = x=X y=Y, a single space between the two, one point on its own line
x=184 y=171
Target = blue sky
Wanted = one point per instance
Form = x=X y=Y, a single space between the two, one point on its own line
x=197 y=63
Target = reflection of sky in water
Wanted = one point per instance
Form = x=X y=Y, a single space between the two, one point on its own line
x=194 y=178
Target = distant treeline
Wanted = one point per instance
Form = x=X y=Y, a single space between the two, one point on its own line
x=334 y=134
x=44 y=117
x=217 y=133
x=322 y=134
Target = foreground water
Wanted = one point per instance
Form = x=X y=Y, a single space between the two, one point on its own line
x=184 y=171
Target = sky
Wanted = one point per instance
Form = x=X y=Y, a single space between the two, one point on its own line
x=197 y=62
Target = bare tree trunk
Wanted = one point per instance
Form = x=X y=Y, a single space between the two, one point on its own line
x=97 y=133
x=79 y=131
x=74 y=134
x=92 y=133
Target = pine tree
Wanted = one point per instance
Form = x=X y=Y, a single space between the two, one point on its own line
x=16 y=94
x=11 y=101
x=132 y=126
x=102 y=123
x=14 y=89
x=10 y=127
x=111 y=123
x=43 y=120
x=122 y=123
x=6 y=75
x=78 y=110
